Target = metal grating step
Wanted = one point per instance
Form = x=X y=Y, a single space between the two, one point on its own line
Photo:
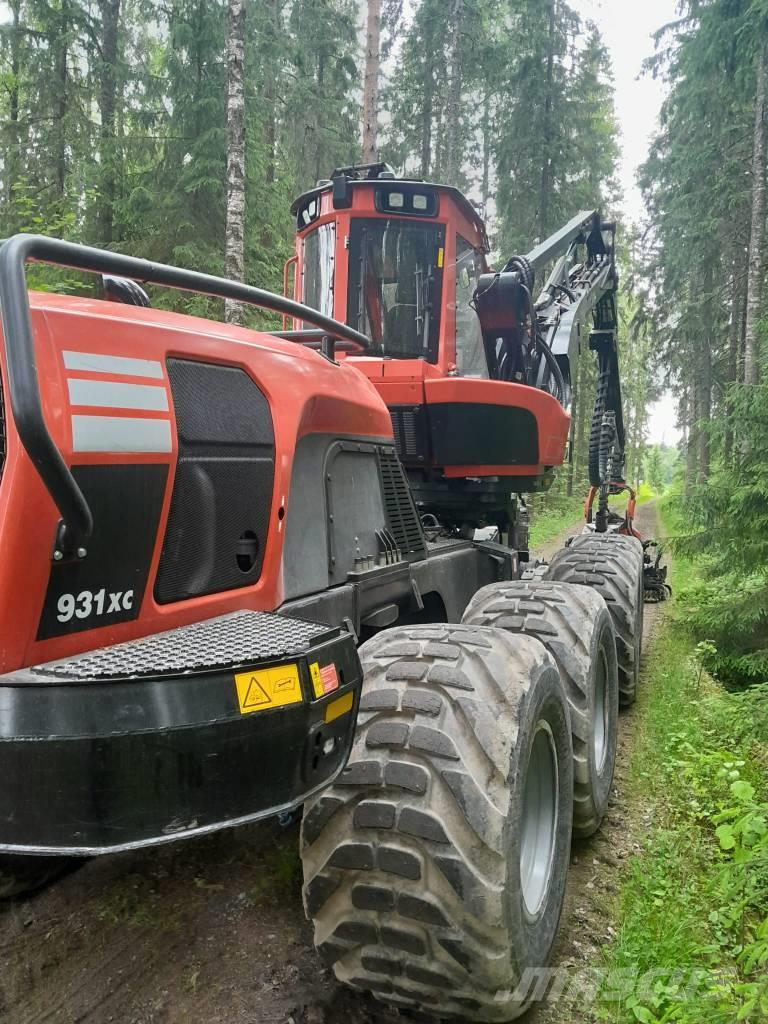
x=243 y=637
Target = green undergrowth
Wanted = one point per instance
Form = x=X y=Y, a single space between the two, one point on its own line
x=554 y=513
x=644 y=493
x=693 y=930
x=559 y=512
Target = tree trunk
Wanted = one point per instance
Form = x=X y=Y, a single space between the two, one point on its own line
x=692 y=449
x=754 y=275
x=738 y=280
x=234 y=245
x=110 y=21
x=684 y=440
x=453 y=112
x=704 y=345
x=704 y=409
x=545 y=181
x=61 y=79
x=486 y=183
x=13 y=165
x=426 y=123
x=318 y=140
x=270 y=94
x=371 y=83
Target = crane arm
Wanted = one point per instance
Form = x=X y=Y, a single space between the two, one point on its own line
x=538 y=342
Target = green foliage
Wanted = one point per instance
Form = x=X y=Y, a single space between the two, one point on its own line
x=725 y=525
x=654 y=473
x=161 y=178
x=552 y=515
x=693 y=905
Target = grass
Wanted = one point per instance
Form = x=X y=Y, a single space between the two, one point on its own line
x=560 y=513
x=692 y=907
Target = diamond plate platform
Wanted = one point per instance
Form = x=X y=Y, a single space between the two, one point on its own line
x=240 y=638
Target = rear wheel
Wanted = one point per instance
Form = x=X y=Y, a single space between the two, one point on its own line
x=612 y=565
x=575 y=626
x=435 y=867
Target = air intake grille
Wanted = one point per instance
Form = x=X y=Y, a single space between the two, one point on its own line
x=404 y=426
x=402 y=517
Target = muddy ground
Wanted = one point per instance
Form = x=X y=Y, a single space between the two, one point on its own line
x=212 y=931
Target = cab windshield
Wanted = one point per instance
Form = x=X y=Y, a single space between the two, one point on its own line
x=395 y=281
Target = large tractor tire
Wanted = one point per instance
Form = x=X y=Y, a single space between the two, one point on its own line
x=435 y=867
x=613 y=565
x=575 y=626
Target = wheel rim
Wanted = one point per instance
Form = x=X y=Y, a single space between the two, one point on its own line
x=600 y=714
x=539 y=821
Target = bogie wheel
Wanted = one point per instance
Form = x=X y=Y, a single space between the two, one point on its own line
x=613 y=565
x=435 y=867
x=575 y=626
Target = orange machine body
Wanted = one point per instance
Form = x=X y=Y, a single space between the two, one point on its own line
x=103 y=373
x=451 y=421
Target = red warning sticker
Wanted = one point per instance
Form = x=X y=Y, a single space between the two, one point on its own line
x=329 y=678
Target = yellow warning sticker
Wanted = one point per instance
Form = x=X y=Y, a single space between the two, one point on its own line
x=340 y=706
x=317 y=679
x=262 y=689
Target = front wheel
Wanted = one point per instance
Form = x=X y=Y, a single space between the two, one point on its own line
x=435 y=867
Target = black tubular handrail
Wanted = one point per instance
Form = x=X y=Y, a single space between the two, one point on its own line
x=23 y=386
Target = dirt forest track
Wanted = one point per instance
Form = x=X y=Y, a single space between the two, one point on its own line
x=212 y=931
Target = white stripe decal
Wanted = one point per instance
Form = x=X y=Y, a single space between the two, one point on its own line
x=120 y=434
x=123 y=365
x=111 y=395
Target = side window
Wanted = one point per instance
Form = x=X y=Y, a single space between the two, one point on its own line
x=317 y=270
x=470 y=353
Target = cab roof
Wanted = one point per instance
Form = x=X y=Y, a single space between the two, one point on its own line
x=343 y=180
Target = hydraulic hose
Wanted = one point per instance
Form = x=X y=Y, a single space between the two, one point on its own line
x=596 y=428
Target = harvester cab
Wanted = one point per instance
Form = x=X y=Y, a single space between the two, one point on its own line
x=474 y=368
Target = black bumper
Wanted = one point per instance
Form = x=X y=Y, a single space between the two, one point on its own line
x=94 y=762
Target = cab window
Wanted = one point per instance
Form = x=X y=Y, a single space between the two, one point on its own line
x=395 y=284
x=470 y=352
x=317 y=269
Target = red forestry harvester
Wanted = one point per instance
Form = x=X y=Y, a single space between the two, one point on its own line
x=239 y=574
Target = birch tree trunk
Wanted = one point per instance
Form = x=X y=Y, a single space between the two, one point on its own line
x=426 y=124
x=62 y=81
x=110 y=22
x=371 y=83
x=234 y=245
x=452 y=151
x=754 y=274
x=545 y=181
x=13 y=156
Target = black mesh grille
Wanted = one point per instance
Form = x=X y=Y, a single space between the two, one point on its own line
x=410 y=427
x=222 y=493
x=404 y=426
x=402 y=517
